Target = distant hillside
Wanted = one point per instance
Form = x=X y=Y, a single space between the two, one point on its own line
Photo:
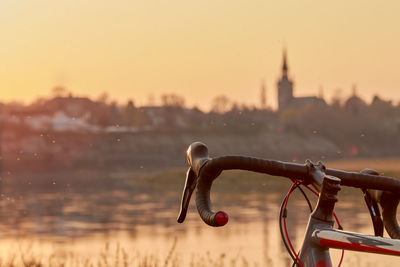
x=158 y=150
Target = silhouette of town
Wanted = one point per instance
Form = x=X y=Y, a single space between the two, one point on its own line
x=67 y=130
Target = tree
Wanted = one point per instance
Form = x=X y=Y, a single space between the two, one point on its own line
x=103 y=97
x=59 y=91
x=129 y=113
x=172 y=100
x=221 y=104
x=135 y=116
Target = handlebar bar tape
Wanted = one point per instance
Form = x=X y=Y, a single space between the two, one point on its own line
x=212 y=168
x=207 y=169
x=389 y=203
x=203 y=204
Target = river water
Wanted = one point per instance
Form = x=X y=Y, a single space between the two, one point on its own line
x=118 y=220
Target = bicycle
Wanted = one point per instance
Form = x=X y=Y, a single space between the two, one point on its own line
x=380 y=192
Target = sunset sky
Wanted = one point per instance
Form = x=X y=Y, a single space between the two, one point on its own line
x=198 y=49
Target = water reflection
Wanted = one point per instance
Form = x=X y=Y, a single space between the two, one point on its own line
x=132 y=221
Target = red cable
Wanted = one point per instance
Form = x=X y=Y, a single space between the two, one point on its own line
x=341 y=258
x=284 y=224
x=295 y=183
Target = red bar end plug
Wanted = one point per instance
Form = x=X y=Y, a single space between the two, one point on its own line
x=221 y=218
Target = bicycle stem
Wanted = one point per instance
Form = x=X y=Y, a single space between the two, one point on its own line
x=312 y=253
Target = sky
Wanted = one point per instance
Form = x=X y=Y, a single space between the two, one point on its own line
x=198 y=49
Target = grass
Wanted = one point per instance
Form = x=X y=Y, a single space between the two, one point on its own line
x=118 y=256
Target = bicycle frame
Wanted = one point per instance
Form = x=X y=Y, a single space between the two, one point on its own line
x=357 y=242
x=320 y=235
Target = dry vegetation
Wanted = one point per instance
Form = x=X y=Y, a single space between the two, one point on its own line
x=118 y=256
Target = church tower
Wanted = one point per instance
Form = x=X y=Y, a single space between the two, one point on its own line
x=285 y=86
x=263 y=96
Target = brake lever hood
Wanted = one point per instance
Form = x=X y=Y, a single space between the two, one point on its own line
x=190 y=185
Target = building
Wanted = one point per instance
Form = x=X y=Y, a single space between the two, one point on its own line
x=285 y=92
x=355 y=105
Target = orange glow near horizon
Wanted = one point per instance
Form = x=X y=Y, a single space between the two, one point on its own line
x=133 y=49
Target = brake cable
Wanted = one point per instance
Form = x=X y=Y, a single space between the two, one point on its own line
x=282 y=218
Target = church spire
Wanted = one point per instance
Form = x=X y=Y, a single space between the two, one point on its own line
x=284 y=65
x=285 y=86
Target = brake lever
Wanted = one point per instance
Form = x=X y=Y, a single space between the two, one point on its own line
x=190 y=185
x=372 y=198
